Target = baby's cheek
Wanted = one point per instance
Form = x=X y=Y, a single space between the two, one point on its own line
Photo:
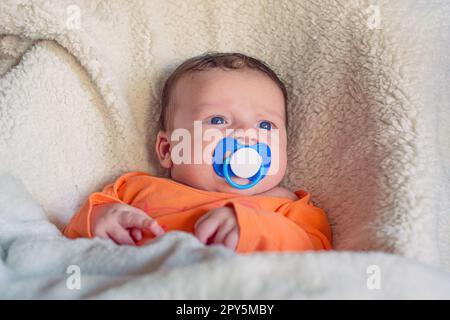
x=278 y=160
x=195 y=175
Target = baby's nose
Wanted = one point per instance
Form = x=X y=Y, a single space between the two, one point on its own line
x=247 y=137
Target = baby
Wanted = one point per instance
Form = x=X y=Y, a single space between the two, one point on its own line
x=241 y=100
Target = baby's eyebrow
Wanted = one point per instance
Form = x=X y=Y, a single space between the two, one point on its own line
x=271 y=113
x=208 y=105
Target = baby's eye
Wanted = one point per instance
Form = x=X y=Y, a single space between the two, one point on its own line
x=266 y=125
x=217 y=120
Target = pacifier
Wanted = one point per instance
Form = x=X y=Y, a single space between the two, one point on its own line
x=232 y=158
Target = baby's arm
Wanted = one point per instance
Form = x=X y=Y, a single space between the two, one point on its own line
x=107 y=214
x=295 y=226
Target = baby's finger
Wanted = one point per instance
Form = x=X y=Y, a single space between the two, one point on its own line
x=136 y=220
x=120 y=236
x=232 y=238
x=205 y=229
x=136 y=234
x=101 y=234
x=130 y=219
x=154 y=227
x=201 y=219
x=223 y=231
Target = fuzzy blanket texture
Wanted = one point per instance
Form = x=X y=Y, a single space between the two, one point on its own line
x=37 y=262
x=369 y=138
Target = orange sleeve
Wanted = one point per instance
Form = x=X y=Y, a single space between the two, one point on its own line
x=296 y=226
x=80 y=224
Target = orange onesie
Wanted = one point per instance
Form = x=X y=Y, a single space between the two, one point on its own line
x=265 y=223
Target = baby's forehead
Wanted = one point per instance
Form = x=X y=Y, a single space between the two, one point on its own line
x=225 y=86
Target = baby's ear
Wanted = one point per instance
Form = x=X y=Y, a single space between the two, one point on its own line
x=163 y=150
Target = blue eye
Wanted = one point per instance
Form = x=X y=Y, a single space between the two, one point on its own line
x=217 y=120
x=266 y=125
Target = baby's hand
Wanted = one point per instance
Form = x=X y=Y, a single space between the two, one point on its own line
x=218 y=226
x=122 y=223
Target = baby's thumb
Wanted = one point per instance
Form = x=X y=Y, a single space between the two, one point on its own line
x=154 y=227
x=136 y=234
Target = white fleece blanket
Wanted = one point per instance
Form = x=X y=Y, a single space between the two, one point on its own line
x=38 y=262
x=369 y=119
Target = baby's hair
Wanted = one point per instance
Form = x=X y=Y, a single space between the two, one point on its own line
x=211 y=60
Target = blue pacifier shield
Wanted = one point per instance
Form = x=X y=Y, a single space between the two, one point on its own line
x=232 y=158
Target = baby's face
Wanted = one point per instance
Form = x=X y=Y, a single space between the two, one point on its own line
x=244 y=104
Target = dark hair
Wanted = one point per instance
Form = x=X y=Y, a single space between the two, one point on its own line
x=213 y=60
